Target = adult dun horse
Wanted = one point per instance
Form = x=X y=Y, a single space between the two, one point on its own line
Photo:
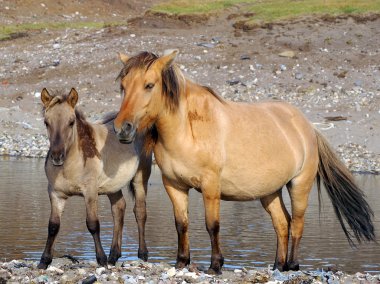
x=233 y=151
x=87 y=159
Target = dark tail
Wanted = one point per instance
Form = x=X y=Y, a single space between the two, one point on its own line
x=347 y=198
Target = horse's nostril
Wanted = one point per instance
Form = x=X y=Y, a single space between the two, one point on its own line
x=128 y=126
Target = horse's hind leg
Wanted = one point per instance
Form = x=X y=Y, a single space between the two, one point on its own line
x=274 y=205
x=92 y=222
x=140 y=187
x=57 y=206
x=299 y=189
x=118 y=209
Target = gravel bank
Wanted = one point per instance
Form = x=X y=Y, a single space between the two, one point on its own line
x=64 y=270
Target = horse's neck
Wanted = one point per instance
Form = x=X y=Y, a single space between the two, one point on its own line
x=174 y=126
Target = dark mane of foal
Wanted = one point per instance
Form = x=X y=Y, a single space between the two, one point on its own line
x=85 y=131
x=170 y=82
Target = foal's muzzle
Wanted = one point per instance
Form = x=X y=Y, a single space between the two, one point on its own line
x=57 y=158
x=127 y=133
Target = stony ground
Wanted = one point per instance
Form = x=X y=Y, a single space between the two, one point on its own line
x=64 y=270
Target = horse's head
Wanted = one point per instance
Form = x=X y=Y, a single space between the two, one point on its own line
x=149 y=84
x=60 y=119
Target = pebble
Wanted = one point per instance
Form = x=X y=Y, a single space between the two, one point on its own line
x=298 y=75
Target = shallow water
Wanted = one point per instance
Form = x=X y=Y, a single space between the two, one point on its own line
x=247 y=235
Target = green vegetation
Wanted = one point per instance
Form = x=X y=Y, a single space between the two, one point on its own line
x=9 y=31
x=179 y=7
x=271 y=10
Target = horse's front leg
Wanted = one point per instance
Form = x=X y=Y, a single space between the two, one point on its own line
x=92 y=222
x=140 y=187
x=211 y=199
x=118 y=210
x=57 y=206
x=179 y=199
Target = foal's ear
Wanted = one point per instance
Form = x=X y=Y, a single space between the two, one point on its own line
x=165 y=61
x=123 y=57
x=45 y=97
x=72 y=99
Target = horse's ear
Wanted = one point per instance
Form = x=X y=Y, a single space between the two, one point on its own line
x=45 y=97
x=123 y=57
x=165 y=61
x=72 y=99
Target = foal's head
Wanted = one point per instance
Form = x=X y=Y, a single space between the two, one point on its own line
x=60 y=120
x=149 y=84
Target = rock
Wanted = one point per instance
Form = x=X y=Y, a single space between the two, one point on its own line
x=233 y=82
x=288 y=54
x=205 y=44
x=245 y=57
x=283 y=67
x=298 y=75
x=171 y=272
x=100 y=270
x=55 y=269
x=89 y=280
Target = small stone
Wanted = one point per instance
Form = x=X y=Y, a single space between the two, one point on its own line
x=245 y=57
x=287 y=53
x=283 y=67
x=56 y=46
x=358 y=83
x=298 y=75
x=100 y=270
x=233 y=82
x=171 y=272
x=238 y=271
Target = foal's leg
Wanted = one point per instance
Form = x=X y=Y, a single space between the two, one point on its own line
x=274 y=205
x=299 y=189
x=179 y=198
x=211 y=199
x=92 y=222
x=118 y=209
x=57 y=206
x=140 y=185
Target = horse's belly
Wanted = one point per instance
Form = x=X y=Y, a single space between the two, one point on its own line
x=250 y=186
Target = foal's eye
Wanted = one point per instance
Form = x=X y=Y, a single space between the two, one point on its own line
x=71 y=124
x=46 y=123
x=149 y=86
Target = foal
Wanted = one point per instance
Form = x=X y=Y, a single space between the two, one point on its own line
x=87 y=159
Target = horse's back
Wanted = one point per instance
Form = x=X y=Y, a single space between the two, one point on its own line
x=266 y=146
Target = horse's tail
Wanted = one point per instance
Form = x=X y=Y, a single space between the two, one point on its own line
x=347 y=198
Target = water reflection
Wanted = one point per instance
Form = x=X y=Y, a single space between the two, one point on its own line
x=247 y=234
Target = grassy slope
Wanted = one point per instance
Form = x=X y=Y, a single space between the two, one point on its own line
x=8 y=31
x=271 y=10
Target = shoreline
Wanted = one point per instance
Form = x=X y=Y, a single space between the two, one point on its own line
x=356 y=157
x=71 y=270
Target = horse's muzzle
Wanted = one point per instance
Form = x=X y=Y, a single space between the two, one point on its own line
x=127 y=133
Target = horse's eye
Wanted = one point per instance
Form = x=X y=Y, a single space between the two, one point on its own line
x=71 y=124
x=149 y=86
x=46 y=123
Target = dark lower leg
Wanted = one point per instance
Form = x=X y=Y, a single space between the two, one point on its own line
x=93 y=227
x=118 y=210
x=47 y=255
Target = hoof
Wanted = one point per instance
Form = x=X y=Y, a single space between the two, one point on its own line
x=113 y=257
x=102 y=261
x=281 y=267
x=143 y=255
x=42 y=265
x=213 y=271
x=293 y=266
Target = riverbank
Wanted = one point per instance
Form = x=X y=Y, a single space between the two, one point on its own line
x=70 y=270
